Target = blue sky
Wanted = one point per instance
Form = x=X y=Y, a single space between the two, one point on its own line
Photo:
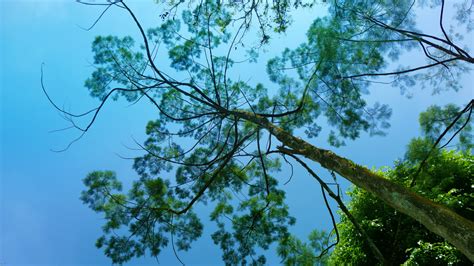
x=42 y=219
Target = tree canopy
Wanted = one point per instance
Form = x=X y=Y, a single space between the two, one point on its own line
x=221 y=141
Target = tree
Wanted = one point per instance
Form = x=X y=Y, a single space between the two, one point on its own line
x=220 y=137
x=402 y=240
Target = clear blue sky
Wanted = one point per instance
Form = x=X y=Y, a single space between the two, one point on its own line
x=42 y=219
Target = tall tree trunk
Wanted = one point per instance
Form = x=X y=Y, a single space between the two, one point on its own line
x=439 y=219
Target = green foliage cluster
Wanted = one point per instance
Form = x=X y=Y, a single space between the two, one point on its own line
x=333 y=57
x=293 y=251
x=447 y=178
x=149 y=226
x=436 y=119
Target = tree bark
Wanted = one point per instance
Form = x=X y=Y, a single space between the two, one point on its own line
x=437 y=218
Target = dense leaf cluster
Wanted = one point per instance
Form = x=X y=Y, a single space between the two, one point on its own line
x=401 y=239
x=446 y=178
